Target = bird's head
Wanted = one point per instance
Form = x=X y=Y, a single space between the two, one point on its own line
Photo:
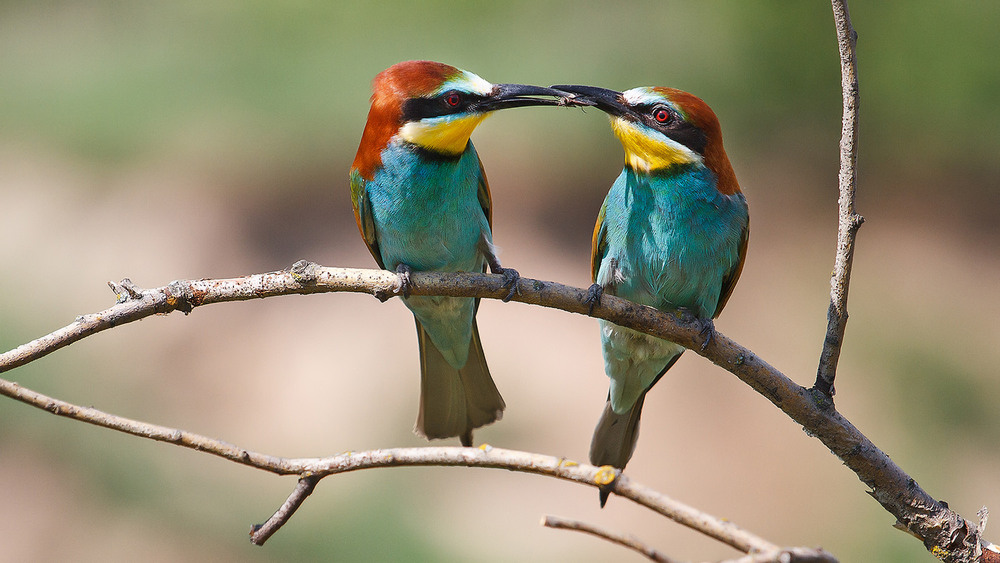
x=435 y=107
x=661 y=128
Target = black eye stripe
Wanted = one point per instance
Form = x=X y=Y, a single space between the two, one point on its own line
x=674 y=127
x=415 y=109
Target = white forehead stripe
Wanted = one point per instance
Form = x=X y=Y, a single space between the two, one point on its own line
x=467 y=81
x=642 y=95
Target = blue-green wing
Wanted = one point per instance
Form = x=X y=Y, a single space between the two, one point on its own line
x=599 y=246
x=363 y=215
x=730 y=279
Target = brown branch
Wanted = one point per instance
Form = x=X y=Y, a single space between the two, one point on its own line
x=787 y=555
x=311 y=470
x=898 y=493
x=260 y=533
x=791 y=555
x=624 y=540
x=849 y=221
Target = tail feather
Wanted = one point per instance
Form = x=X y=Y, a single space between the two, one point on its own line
x=454 y=402
x=615 y=438
x=616 y=435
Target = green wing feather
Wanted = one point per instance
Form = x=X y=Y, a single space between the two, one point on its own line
x=599 y=246
x=485 y=198
x=729 y=282
x=363 y=215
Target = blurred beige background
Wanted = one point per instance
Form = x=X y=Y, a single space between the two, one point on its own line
x=169 y=140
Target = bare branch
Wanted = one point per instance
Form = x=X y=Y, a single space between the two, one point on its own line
x=141 y=429
x=791 y=555
x=313 y=469
x=890 y=485
x=787 y=555
x=625 y=540
x=261 y=532
x=849 y=221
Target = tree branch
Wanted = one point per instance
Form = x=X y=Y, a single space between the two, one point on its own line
x=624 y=540
x=789 y=555
x=792 y=555
x=311 y=470
x=260 y=533
x=896 y=491
x=849 y=220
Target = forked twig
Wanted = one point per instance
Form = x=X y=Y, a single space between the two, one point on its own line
x=849 y=221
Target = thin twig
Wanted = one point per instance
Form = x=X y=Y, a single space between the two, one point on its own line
x=785 y=555
x=261 y=532
x=625 y=540
x=890 y=485
x=484 y=456
x=849 y=220
x=790 y=555
x=141 y=429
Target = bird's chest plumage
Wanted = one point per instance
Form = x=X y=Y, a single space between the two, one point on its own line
x=427 y=212
x=671 y=239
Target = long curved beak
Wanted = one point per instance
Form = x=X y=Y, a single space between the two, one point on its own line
x=608 y=101
x=519 y=95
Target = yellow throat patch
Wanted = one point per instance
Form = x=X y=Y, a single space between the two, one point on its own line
x=647 y=152
x=447 y=134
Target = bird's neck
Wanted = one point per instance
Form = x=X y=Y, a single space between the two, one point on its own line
x=678 y=182
x=402 y=158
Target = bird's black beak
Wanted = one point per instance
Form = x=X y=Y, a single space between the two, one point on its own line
x=608 y=101
x=518 y=95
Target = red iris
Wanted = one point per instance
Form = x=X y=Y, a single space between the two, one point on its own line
x=661 y=115
x=453 y=99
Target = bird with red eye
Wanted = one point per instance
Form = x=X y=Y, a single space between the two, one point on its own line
x=453 y=99
x=662 y=115
x=422 y=203
x=672 y=234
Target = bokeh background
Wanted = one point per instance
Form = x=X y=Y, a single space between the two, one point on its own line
x=165 y=140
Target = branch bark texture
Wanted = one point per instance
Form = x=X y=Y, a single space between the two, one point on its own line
x=849 y=221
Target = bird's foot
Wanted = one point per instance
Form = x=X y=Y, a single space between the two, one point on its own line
x=707 y=332
x=706 y=327
x=593 y=297
x=510 y=281
x=405 y=282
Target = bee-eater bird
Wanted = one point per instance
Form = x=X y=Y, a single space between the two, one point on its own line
x=422 y=203
x=672 y=234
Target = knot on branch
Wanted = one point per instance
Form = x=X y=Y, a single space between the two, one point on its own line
x=125 y=290
x=304 y=272
x=181 y=296
x=856 y=222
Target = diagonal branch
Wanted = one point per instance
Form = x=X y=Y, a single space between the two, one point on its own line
x=624 y=540
x=311 y=470
x=260 y=533
x=849 y=221
x=896 y=491
x=790 y=555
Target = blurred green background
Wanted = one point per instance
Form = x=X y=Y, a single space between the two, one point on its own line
x=166 y=140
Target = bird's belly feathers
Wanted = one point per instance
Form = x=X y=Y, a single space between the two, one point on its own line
x=427 y=214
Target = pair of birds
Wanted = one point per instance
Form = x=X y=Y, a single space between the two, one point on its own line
x=672 y=232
